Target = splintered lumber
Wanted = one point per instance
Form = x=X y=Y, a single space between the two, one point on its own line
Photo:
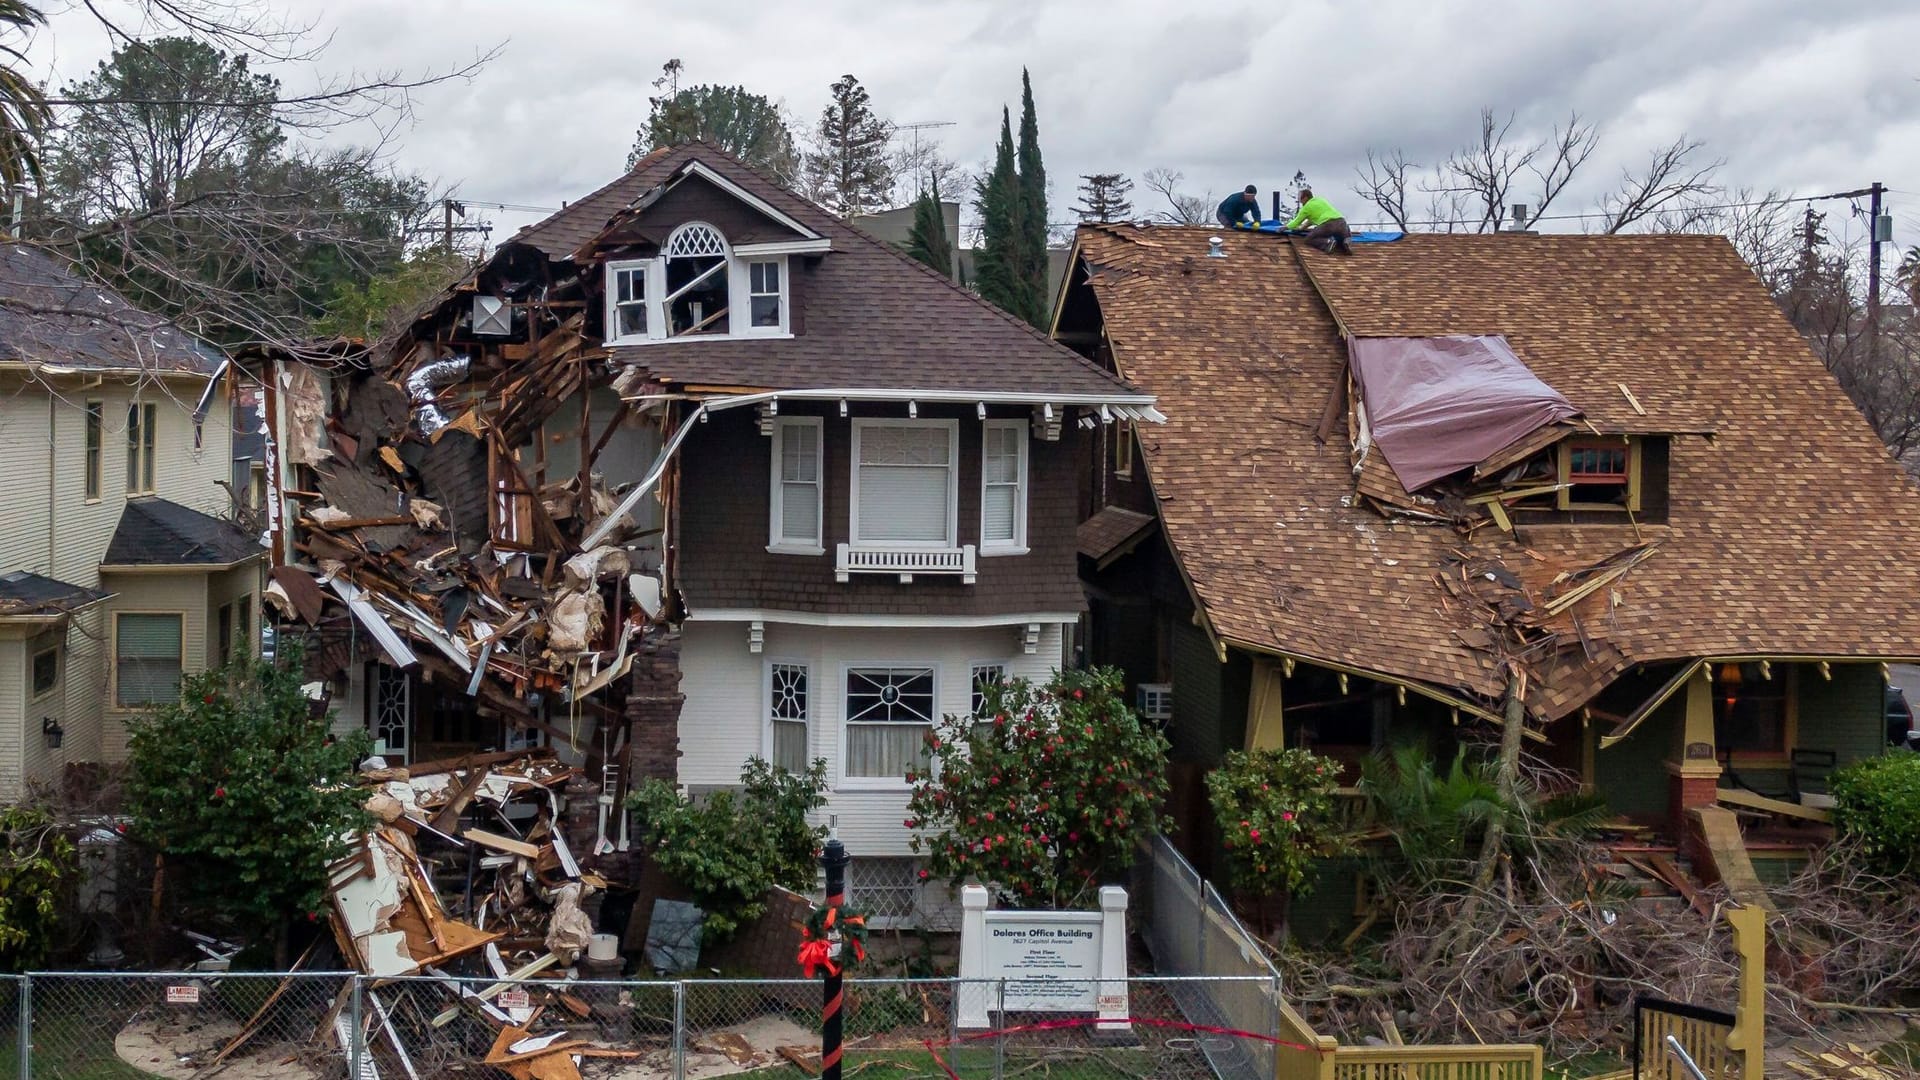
x=463 y=793
x=497 y=842
x=1750 y=801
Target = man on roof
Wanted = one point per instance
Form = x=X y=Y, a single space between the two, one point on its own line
x=1325 y=228
x=1241 y=210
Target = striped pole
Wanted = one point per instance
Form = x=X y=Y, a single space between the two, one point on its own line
x=834 y=861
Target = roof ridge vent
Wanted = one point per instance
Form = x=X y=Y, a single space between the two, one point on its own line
x=1216 y=248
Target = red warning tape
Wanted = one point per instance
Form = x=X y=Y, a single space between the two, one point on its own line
x=1055 y=1025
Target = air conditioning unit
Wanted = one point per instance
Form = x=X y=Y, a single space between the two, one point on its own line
x=1156 y=701
x=491 y=317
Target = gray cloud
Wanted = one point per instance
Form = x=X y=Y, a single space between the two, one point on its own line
x=1796 y=97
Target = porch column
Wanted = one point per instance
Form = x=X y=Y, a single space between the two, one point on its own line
x=1695 y=770
x=1264 y=715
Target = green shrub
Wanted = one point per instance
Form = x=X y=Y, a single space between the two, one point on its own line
x=1877 y=810
x=1276 y=815
x=728 y=848
x=1047 y=794
x=35 y=856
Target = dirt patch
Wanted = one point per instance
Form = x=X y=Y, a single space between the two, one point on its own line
x=706 y=1058
x=179 y=1049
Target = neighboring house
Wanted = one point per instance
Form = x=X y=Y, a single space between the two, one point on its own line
x=838 y=493
x=115 y=575
x=1603 y=472
x=895 y=227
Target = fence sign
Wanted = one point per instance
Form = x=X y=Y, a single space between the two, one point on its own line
x=1044 y=961
x=183 y=995
x=513 y=999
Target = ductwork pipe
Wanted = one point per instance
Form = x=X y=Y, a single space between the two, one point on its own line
x=423 y=384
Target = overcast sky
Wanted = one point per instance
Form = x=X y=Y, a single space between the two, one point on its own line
x=1798 y=97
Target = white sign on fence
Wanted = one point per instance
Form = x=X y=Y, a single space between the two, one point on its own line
x=1051 y=961
x=183 y=995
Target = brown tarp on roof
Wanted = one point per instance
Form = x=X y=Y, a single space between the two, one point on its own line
x=1436 y=405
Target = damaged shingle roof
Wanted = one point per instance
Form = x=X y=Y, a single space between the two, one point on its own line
x=870 y=316
x=1790 y=533
x=25 y=593
x=155 y=532
x=51 y=314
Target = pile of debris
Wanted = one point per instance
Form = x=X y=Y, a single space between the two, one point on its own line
x=467 y=896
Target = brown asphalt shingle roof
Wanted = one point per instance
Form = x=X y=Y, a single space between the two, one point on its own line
x=1791 y=532
x=871 y=317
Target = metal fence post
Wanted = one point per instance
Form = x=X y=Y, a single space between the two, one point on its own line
x=357 y=1030
x=1200 y=925
x=1000 y=1027
x=26 y=1027
x=679 y=1031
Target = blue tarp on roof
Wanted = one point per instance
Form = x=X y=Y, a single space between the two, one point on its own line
x=1279 y=227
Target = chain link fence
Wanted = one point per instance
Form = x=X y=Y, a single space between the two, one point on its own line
x=1229 y=982
x=320 y=1026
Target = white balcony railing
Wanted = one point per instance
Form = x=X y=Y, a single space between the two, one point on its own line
x=906 y=562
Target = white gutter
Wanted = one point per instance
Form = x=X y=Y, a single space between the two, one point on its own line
x=632 y=499
x=1143 y=403
x=390 y=641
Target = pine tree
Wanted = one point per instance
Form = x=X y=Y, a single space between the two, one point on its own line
x=850 y=170
x=1031 y=219
x=928 y=239
x=996 y=267
x=1104 y=197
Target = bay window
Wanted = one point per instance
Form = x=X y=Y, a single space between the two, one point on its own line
x=890 y=714
x=794 y=517
x=905 y=483
x=1003 y=487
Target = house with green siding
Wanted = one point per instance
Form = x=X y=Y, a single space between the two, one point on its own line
x=1603 y=474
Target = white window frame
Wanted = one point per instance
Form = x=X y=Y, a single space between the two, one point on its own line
x=740 y=270
x=953 y=485
x=654 y=271
x=1123 y=449
x=739 y=284
x=778 y=542
x=846 y=780
x=1017 y=545
x=974 y=667
x=766 y=680
x=35 y=650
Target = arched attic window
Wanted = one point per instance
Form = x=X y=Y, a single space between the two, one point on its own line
x=697 y=280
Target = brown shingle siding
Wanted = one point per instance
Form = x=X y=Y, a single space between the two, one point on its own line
x=725 y=477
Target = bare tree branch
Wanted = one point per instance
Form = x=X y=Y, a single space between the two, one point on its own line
x=1182 y=208
x=1383 y=182
x=1672 y=175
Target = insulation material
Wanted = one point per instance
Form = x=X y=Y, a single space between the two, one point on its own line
x=1437 y=405
x=569 y=931
x=587 y=567
x=306 y=402
x=575 y=621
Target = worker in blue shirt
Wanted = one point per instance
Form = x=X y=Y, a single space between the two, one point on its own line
x=1241 y=210
x=1326 y=228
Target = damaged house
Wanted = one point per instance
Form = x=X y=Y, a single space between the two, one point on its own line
x=689 y=471
x=118 y=569
x=1603 y=472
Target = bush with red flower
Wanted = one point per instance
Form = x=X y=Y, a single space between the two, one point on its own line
x=1043 y=797
x=1276 y=814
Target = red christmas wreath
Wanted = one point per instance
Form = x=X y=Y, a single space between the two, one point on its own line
x=825 y=928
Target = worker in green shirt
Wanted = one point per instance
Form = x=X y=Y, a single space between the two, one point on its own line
x=1326 y=229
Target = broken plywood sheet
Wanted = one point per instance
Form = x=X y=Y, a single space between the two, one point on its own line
x=362 y=496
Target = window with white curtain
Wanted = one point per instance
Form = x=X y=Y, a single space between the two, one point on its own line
x=890 y=712
x=794 y=518
x=787 y=712
x=1003 y=486
x=905 y=483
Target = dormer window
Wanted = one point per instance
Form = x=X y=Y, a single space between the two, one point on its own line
x=691 y=288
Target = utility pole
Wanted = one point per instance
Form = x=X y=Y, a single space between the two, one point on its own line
x=448 y=209
x=1873 y=275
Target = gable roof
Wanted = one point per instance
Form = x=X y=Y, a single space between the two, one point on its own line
x=51 y=314
x=869 y=316
x=1791 y=531
x=156 y=532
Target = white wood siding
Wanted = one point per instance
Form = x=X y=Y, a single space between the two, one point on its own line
x=723 y=721
x=13 y=700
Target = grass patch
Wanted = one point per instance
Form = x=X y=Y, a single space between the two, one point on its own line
x=69 y=1047
x=978 y=1061
x=1583 y=1065
x=1904 y=1051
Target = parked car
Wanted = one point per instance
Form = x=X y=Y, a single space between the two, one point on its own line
x=1900 y=719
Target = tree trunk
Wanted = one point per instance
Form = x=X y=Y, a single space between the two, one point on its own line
x=1507 y=780
x=154 y=935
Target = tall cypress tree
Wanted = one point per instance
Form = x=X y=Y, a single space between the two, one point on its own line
x=996 y=270
x=927 y=241
x=1031 y=215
